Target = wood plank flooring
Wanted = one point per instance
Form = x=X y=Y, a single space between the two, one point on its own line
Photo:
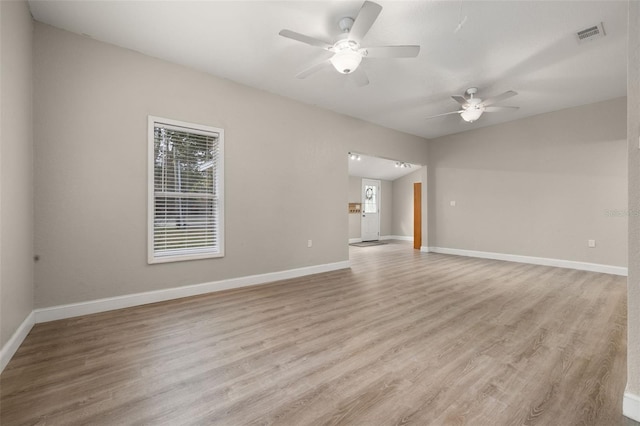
x=402 y=338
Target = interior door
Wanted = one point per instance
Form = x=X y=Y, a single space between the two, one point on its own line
x=370 y=224
x=417 y=215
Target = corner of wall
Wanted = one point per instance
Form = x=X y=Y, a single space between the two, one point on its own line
x=16 y=175
x=632 y=396
x=11 y=346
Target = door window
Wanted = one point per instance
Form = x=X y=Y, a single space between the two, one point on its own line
x=370 y=199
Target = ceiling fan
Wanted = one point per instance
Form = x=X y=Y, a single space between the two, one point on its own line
x=473 y=108
x=347 y=51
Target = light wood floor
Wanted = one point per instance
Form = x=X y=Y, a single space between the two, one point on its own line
x=402 y=338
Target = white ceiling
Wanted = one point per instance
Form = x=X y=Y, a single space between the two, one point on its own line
x=526 y=46
x=379 y=168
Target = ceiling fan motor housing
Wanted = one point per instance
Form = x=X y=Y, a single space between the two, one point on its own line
x=471 y=91
x=345 y=24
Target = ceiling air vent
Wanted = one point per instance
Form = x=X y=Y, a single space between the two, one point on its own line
x=591 y=33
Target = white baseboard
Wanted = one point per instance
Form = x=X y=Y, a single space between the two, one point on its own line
x=631 y=406
x=108 y=304
x=571 y=264
x=397 y=237
x=425 y=249
x=384 y=237
x=12 y=345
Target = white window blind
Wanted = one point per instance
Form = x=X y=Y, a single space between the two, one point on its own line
x=186 y=191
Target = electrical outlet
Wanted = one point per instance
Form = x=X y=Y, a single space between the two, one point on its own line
x=309 y=243
x=452 y=203
x=591 y=243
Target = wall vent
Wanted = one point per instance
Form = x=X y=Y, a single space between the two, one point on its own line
x=591 y=33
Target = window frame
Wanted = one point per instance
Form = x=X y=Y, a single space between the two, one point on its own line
x=153 y=121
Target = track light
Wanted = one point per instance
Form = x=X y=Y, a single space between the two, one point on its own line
x=403 y=165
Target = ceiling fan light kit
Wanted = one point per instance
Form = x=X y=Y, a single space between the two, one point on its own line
x=471 y=114
x=347 y=57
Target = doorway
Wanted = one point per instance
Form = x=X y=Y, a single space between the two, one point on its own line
x=370 y=223
x=389 y=214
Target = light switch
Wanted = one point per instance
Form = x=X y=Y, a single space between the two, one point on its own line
x=452 y=203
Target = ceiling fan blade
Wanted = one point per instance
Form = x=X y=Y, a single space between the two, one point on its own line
x=312 y=69
x=459 y=99
x=359 y=77
x=365 y=19
x=500 y=108
x=502 y=97
x=392 y=52
x=446 y=113
x=305 y=39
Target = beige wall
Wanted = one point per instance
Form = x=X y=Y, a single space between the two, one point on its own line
x=386 y=206
x=355 y=189
x=540 y=186
x=16 y=167
x=92 y=102
x=403 y=204
x=633 y=129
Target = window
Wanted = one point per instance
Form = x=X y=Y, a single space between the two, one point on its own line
x=186 y=203
x=371 y=199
